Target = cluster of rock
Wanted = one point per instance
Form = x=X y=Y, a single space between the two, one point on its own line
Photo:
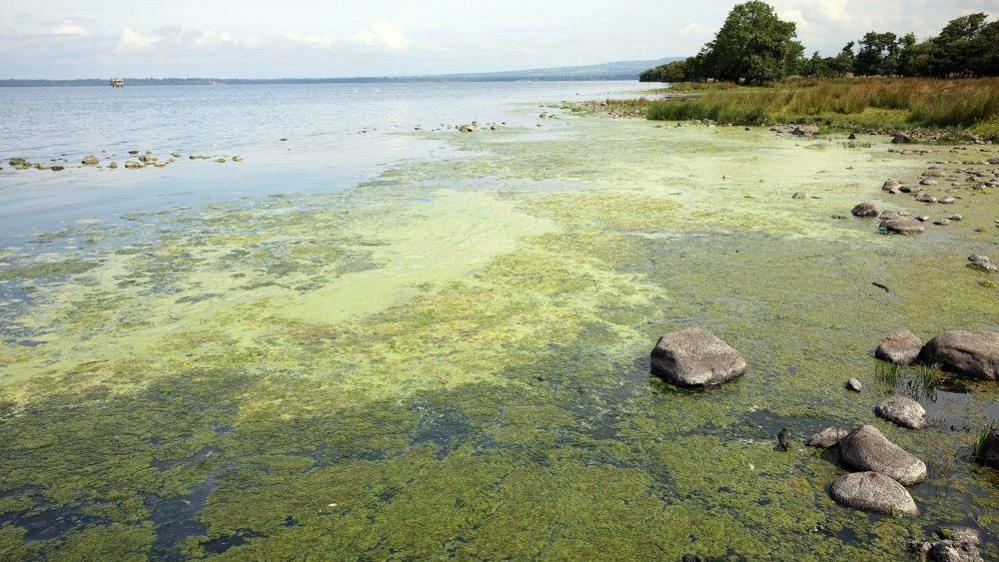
x=955 y=545
x=474 y=126
x=141 y=161
x=966 y=353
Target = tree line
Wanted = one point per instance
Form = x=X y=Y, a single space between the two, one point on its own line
x=755 y=46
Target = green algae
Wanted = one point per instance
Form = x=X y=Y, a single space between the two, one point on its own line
x=434 y=366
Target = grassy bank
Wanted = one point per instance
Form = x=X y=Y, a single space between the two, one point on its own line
x=970 y=105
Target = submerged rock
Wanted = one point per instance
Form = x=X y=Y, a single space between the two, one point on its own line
x=971 y=354
x=696 y=358
x=873 y=492
x=866 y=448
x=90 y=161
x=906 y=226
x=865 y=209
x=903 y=411
x=901 y=348
x=828 y=437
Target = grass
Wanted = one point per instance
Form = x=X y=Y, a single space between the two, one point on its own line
x=967 y=104
x=979 y=452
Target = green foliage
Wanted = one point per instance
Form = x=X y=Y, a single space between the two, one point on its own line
x=865 y=102
x=753 y=45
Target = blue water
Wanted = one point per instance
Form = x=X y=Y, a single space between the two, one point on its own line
x=337 y=136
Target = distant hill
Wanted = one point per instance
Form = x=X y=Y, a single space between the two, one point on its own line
x=623 y=70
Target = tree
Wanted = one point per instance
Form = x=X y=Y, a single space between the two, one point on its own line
x=878 y=55
x=753 y=45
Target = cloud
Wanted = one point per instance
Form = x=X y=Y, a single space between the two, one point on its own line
x=383 y=34
x=211 y=39
x=309 y=40
x=132 y=41
x=69 y=28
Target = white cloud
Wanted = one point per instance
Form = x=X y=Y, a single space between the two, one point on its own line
x=212 y=39
x=383 y=34
x=69 y=28
x=132 y=41
x=309 y=40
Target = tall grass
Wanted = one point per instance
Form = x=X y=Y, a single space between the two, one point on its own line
x=861 y=101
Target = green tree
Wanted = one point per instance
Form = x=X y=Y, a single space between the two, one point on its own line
x=878 y=55
x=753 y=45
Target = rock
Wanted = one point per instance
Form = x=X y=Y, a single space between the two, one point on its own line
x=696 y=358
x=828 y=437
x=941 y=222
x=892 y=186
x=902 y=411
x=906 y=226
x=989 y=452
x=805 y=130
x=956 y=217
x=237 y=158
x=947 y=201
x=58 y=168
x=934 y=173
x=993 y=160
x=901 y=138
x=983 y=263
x=866 y=448
x=971 y=354
x=855 y=385
x=133 y=152
x=853 y=136
x=113 y=165
x=470 y=128
x=220 y=160
x=873 y=492
x=924 y=197
x=957 y=545
x=147 y=158
x=799 y=195
x=865 y=209
x=90 y=161
x=902 y=348
x=923 y=218
x=889 y=215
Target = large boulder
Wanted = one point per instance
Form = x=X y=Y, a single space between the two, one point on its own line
x=696 y=358
x=873 y=492
x=971 y=354
x=903 y=411
x=902 y=347
x=866 y=448
x=907 y=226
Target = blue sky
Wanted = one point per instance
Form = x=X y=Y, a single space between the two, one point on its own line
x=310 y=38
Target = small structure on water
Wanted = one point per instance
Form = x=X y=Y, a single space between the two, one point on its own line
x=117 y=82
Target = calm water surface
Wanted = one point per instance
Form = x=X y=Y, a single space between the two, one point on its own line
x=337 y=135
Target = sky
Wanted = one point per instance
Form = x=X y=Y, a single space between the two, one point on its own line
x=57 y=39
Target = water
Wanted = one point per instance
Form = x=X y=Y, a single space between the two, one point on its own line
x=337 y=135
